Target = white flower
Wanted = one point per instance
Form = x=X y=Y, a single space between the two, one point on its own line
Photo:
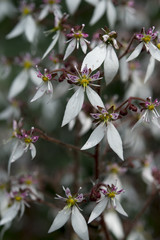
x=7 y=9
x=45 y=86
x=71 y=210
x=104 y=52
x=102 y=6
x=105 y=128
x=77 y=38
x=21 y=80
x=74 y=105
x=146 y=39
x=49 y=6
x=108 y=200
x=59 y=35
x=26 y=25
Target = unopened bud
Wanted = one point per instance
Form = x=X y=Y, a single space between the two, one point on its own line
x=132 y=108
x=123 y=112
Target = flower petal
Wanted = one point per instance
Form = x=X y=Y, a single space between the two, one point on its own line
x=154 y=51
x=17 y=30
x=95 y=137
x=74 y=106
x=111 y=14
x=79 y=224
x=98 y=12
x=99 y=208
x=7 y=113
x=83 y=45
x=33 y=75
x=9 y=214
x=30 y=28
x=124 y=69
x=70 y=48
x=40 y=92
x=53 y=43
x=33 y=150
x=94 y=98
x=150 y=69
x=114 y=140
x=120 y=209
x=72 y=5
x=44 y=12
x=61 y=218
x=111 y=64
x=95 y=58
x=136 y=52
x=18 y=85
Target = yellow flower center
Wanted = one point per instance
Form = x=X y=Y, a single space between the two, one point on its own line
x=71 y=201
x=28 y=140
x=51 y=1
x=151 y=107
x=78 y=34
x=84 y=81
x=114 y=170
x=45 y=79
x=146 y=39
x=111 y=194
x=105 y=118
x=158 y=45
x=2 y=186
x=18 y=198
x=28 y=182
x=26 y=10
x=27 y=64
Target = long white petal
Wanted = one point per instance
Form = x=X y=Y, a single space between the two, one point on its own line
x=111 y=14
x=94 y=98
x=40 y=92
x=114 y=140
x=70 y=48
x=154 y=51
x=61 y=43
x=124 y=69
x=95 y=137
x=95 y=58
x=98 y=12
x=61 y=218
x=33 y=150
x=120 y=209
x=83 y=45
x=99 y=208
x=136 y=52
x=17 y=30
x=9 y=214
x=18 y=85
x=79 y=224
x=93 y=2
x=72 y=5
x=30 y=28
x=6 y=113
x=150 y=69
x=44 y=12
x=53 y=43
x=74 y=106
x=111 y=64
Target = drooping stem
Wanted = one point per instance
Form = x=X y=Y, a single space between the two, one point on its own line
x=96 y=157
x=129 y=101
x=57 y=141
x=127 y=49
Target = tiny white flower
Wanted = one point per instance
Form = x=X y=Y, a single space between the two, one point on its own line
x=107 y=200
x=7 y=9
x=104 y=52
x=71 y=210
x=84 y=80
x=105 y=128
x=49 y=6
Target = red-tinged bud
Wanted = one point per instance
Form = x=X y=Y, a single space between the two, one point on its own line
x=95 y=194
x=132 y=108
x=123 y=112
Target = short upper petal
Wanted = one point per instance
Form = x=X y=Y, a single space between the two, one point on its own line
x=136 y=52
x=114 y=140
x=95 y=58
x=74 y=106
x=99 y=208
x=79 y=224
x=61 y=218
x=95 y=137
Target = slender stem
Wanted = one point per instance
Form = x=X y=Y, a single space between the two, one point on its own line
x=96 y=157
x=129 y=100
x=105 y=229
x=129 y=45
x=139 y=215
x=57 y=141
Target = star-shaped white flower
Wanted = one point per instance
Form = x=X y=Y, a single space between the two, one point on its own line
x=49 y=6
x=71 y=210
x=108 y=200
x=82 y=80
x=104 y=52
x=105 y=128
